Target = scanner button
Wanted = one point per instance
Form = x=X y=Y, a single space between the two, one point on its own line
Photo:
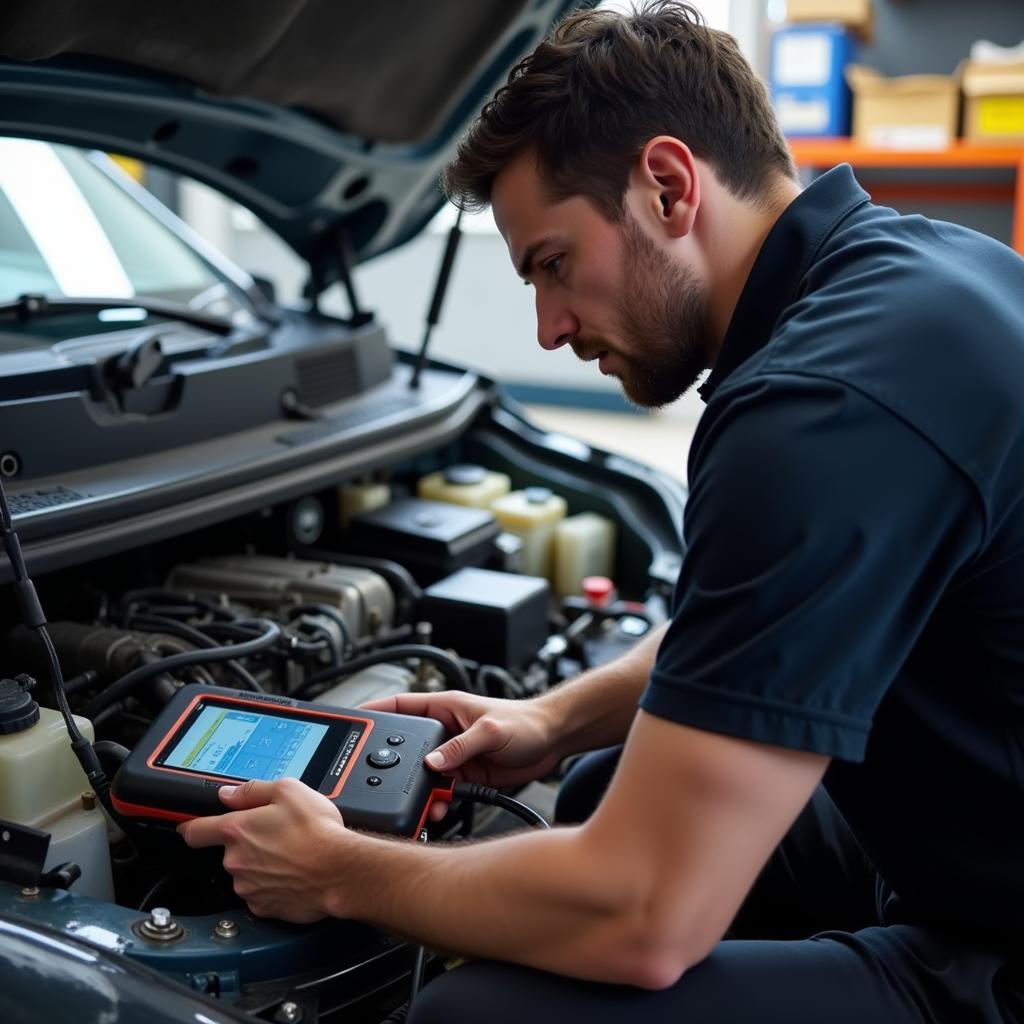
x=384 y=758
x=374 y=780
x=396 y=741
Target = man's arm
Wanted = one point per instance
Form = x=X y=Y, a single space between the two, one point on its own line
x=597 y=708
x=636 y=895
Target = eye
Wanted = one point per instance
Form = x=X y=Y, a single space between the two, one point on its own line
x=552 y=266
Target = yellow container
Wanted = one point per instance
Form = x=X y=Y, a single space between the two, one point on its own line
x=584 y=546
x=533 y=515
x=464 y=485
x=356 y=498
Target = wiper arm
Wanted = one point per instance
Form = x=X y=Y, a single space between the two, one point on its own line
x=31 y=307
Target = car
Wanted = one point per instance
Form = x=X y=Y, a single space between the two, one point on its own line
x=213 y=489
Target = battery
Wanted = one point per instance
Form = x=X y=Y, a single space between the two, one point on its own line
x=499 y=618
x=432 y=539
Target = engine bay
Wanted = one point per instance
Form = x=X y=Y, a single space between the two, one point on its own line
x=438 y=574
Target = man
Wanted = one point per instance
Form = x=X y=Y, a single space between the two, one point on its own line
x=850 y=608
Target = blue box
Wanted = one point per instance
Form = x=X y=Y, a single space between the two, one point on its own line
x=808 y=86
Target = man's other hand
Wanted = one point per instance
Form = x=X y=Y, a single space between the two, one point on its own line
x=494 y=742
x=277 y=836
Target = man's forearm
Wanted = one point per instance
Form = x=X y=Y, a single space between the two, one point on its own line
x=596 y=709
x=490 y=900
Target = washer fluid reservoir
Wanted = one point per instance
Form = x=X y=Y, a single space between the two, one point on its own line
x=532 y=514
x=42 y=785
x=464 y=485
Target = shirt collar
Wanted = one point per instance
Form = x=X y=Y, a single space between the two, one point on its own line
x=785 y=257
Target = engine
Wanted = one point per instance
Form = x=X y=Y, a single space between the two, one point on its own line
x=339 y=598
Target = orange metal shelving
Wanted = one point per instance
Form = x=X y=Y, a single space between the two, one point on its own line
x=961 y=155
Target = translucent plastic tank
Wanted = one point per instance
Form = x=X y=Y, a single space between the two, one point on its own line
x=464 y=485
x=532 y=514
x=356 y=498
x=42 y=785
x=584 y=545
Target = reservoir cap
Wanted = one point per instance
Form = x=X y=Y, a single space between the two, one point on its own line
x=465 y=475
x=18 y=711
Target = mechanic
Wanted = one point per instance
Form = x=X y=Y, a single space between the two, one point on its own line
x=850 y=608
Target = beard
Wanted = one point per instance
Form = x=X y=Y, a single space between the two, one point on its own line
x=663 y=314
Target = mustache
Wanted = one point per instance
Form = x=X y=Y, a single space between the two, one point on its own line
x=587 y=350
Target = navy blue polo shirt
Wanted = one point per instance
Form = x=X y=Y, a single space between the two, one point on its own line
x=854 y=577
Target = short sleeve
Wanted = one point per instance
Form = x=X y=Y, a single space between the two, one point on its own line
x=821 y=532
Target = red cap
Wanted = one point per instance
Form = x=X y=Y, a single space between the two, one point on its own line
x=598 y=590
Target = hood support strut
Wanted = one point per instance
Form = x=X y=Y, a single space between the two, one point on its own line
x=343 y=253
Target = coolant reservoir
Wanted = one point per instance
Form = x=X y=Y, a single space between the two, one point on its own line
x=532 y=514
x=43 y=786
x=464 y=485
x=356 y=498
x=584 y=546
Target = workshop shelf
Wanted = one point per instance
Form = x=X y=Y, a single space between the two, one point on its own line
x=961 y=155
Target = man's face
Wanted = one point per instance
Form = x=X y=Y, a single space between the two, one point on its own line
x=605 y=289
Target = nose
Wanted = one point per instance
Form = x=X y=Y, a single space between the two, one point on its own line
x=556 y=325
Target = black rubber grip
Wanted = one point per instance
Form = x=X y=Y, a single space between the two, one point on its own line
x=28 y=600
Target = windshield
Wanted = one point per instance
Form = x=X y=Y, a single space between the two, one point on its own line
x=66 y=229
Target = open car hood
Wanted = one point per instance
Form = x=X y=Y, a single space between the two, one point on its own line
x=329 y=119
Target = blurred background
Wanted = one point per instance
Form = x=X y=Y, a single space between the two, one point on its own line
x=924 y=97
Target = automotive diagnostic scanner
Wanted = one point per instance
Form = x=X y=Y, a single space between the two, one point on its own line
x=369 y=764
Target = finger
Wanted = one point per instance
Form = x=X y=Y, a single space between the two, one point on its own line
x=200 y=832
x=401 y=704
x=444 y=707
x=438 y=809
x=484 y=736
x=254 y=793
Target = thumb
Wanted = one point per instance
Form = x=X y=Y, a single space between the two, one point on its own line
x=254 y=793
x=482 y=737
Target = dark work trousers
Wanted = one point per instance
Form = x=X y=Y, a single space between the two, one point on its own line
x=809 y=946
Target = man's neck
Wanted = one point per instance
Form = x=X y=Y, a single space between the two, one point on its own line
x=734 y=236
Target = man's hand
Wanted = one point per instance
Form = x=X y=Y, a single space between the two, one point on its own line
x=276 y=838
x=495 y=742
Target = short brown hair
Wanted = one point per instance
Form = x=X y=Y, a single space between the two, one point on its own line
x=600 y=86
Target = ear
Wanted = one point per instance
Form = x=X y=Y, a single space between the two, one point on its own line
x=669 y=186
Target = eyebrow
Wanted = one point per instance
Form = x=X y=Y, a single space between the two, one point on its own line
x=526 y=263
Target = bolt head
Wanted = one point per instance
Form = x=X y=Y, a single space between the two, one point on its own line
x=226 y=929
x=160 y=917
x=289 y=1013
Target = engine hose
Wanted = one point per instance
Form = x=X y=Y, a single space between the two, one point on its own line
x=129 y=683
x=455 y=675
x=196 y=637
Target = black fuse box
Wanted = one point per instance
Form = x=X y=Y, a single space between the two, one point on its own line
x=499 y=618
x=430 y=538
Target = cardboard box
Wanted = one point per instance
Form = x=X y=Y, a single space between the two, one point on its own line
x=911 y=112
x=808 y=86
x=857 y=15
x=993 y=102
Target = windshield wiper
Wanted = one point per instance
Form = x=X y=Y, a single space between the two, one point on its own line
x=32 y=307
